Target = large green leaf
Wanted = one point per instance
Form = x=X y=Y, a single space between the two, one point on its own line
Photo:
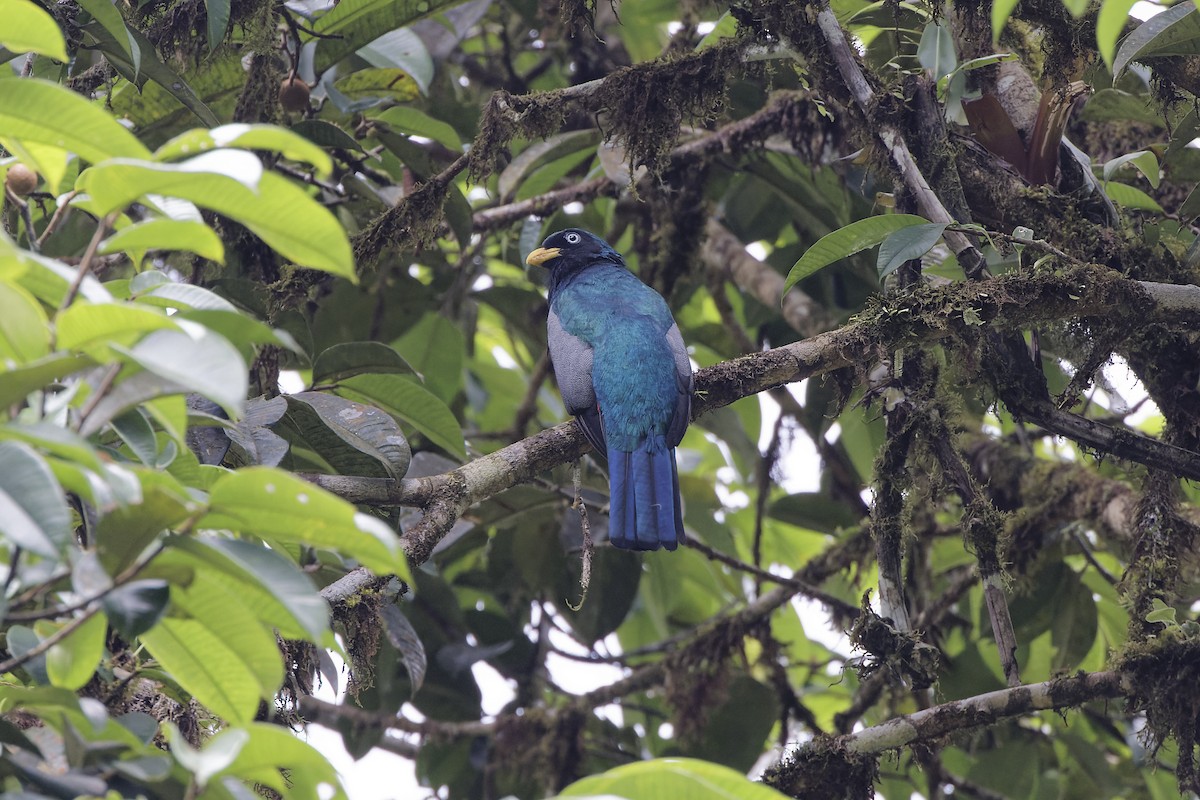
x=33 y=511
x=16 y=383
x=1175 y=32
x=844 y=242
x=221 y=610
x=217 y=12
x=1110 y=23
x=71 y=663
x=287 y=143
x=206 y=363
x=167 y=234
x=411 y=402
x=672 y=777
x=24 y=335
x=28 y=28
x=279 y=506
x=233 y=183
x=351 y=24
x=268 y=584
x=355 y=439
x=85 y=325
x=355 y=358
x=1001 y=11
x=111 y=20
x=199 y=661
x=906 y=244
x=136 y=607
x=408 y=119
x=38 y=111
x=436 y=348
x=169 y=96
x=274 y=757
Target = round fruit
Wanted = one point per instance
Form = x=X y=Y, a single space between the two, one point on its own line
x=293 y=94
x=20 y=180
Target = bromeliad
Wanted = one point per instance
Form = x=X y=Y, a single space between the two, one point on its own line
x=624 y=374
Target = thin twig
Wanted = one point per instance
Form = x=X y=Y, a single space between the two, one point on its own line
x=85 y=264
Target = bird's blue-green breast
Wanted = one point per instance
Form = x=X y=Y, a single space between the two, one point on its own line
x=633 y=369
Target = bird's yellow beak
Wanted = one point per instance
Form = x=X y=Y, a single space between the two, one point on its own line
x=542 y=255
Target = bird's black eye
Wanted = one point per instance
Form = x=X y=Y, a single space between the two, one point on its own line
x=572 y=238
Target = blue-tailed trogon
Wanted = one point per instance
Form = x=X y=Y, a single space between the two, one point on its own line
x=624 y=373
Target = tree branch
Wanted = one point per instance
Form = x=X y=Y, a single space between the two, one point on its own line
x=928 y=314
x=810 y=765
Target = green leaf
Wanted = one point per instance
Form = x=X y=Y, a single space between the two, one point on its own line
x=184 y=296
x=217 y=12
x=936 y=51
x=906 y=244
x=97 y=325
x=137 y=607
x=1076 y=7
x=55 y=440
x=1143 y=161
x=436 y=348
x=1174 y=32
x=24 y=329
x=355 y=358
x=275 y=757
x=404 y=49
x=394 y=84
x=28 y=28
x=273 y=504
x=351 y=24
x=16 y=383
x=199 y=661
x=216 y=755
x=159 y=502
x=1110 y=24
x=167 y=234
x=169 y=96
x=267 y=583
x=39 y=111
x=1001 y=11
x=410 y=402
x=854 y=238
x=407 y=119
x=288 y=143
x=673 y=777
x=325 y=134
x=402 y=636
x=537 y=154
x=33 y=511
x=355 y=439
x=71 y=663
x=273 y=208
x=222 y=612
x=1131 y=197
x=1161 y=612
x=105 y=13
x=207 y=364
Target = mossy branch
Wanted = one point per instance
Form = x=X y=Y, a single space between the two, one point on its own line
x=925 y=315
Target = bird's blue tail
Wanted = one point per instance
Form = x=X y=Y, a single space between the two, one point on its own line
x=644 y=511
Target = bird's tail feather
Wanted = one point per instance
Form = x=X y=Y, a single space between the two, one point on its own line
x=622 y=503
x=644 y=512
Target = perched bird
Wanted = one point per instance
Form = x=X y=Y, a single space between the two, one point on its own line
x=624 y=374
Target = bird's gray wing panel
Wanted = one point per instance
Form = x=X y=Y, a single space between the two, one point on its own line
x=572 y=360
x=684 y=382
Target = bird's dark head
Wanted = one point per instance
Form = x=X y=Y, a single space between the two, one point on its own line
x=570 y=248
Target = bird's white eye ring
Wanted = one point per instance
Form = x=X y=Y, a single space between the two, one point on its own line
x=573 y=238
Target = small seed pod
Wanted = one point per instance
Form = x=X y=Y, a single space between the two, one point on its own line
x=21 y=180
x=293 y=94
